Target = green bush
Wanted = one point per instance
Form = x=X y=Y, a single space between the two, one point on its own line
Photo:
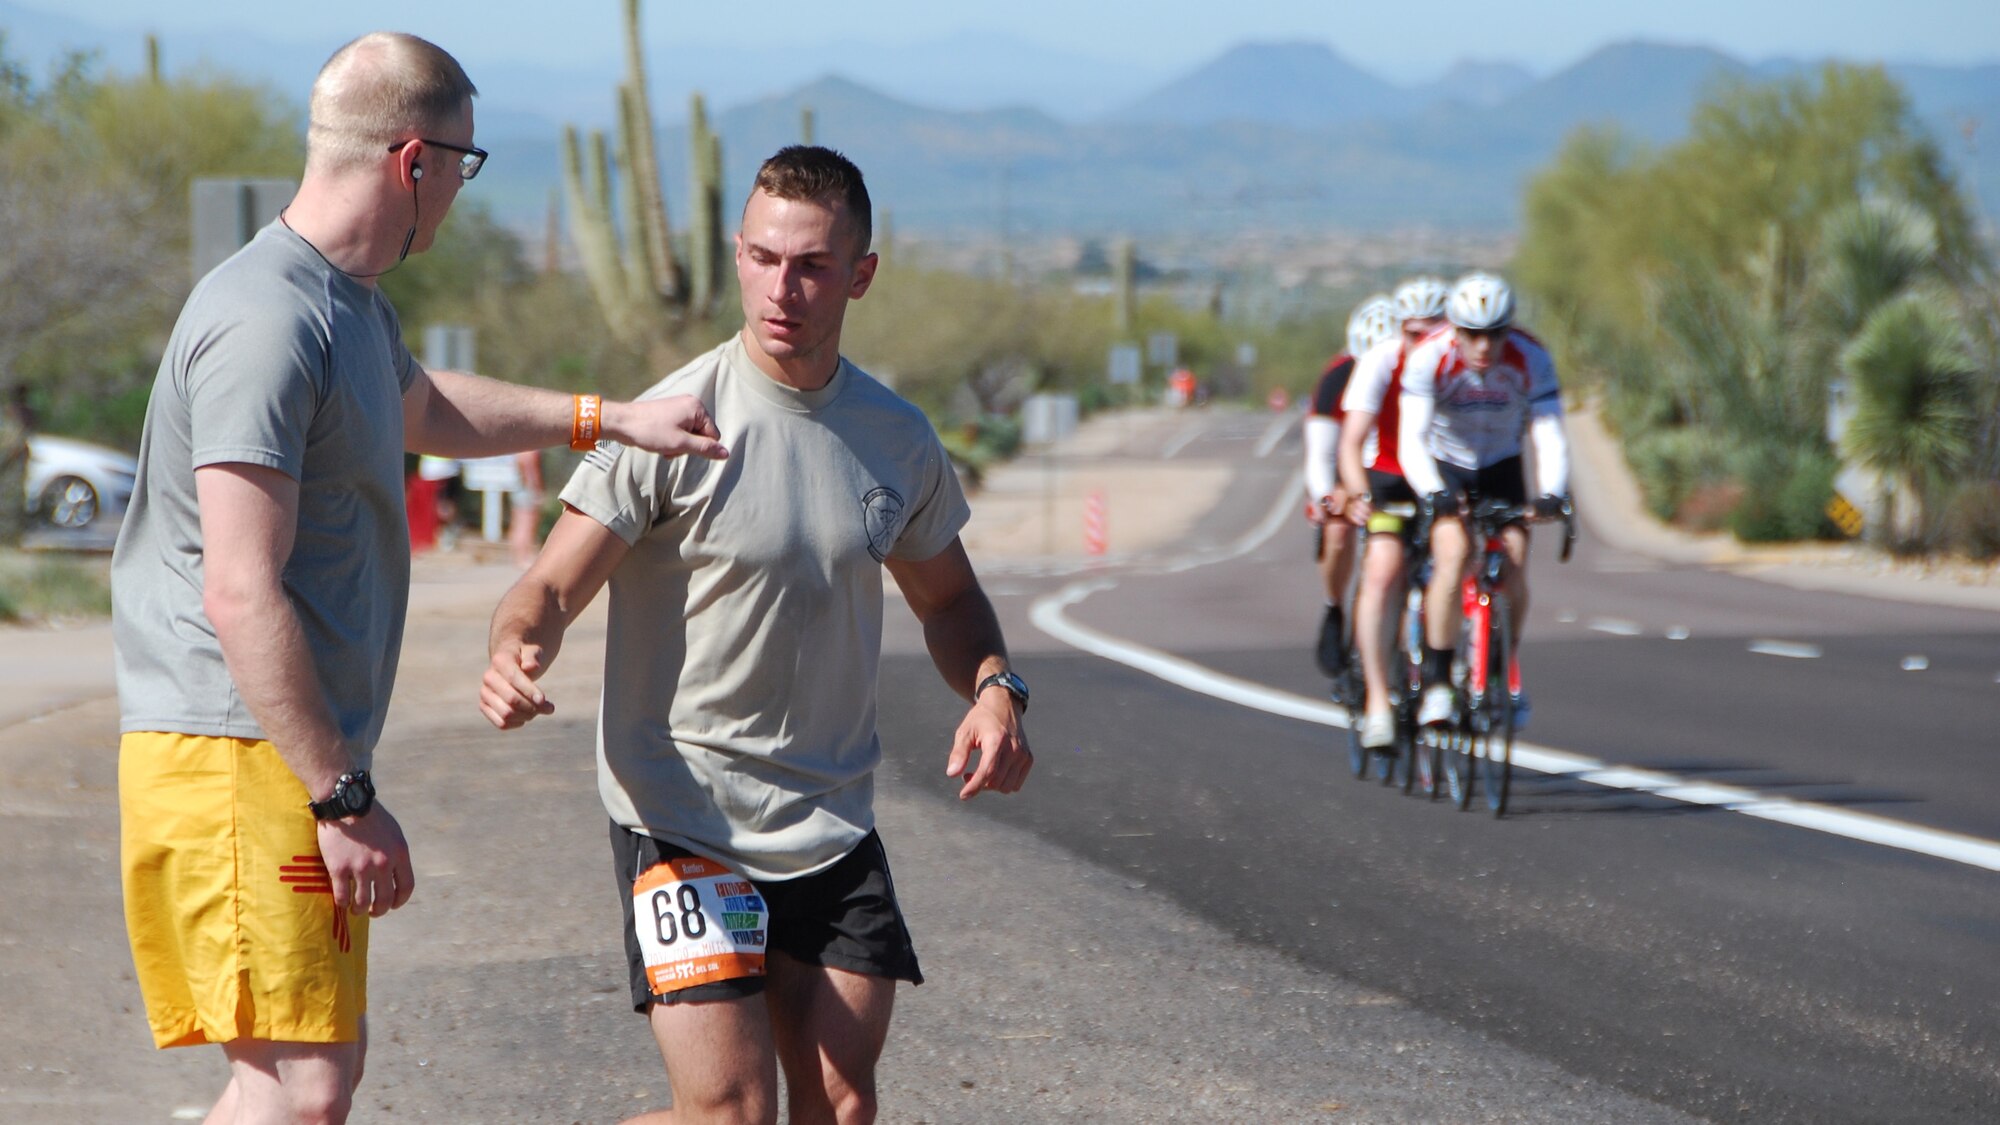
x=1671 y=464
x=43 y=587
x=1785 y=495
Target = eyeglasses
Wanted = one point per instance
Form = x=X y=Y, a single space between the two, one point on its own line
x=470 y=160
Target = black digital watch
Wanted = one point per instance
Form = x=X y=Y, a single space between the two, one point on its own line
x=353 y=795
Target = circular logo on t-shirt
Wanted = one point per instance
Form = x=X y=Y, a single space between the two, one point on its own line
x=882 y=515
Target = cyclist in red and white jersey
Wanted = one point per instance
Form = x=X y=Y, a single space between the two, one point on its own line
x=1373 y=480
x=1470 y=396
x=1372 y=320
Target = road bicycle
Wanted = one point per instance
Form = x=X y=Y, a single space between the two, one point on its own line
x=1486 y=676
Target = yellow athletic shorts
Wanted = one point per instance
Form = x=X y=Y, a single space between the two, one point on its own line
x=227 y=902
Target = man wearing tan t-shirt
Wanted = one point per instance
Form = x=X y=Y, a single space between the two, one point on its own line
x=736 y=736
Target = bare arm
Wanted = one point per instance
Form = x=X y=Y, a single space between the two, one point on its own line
x=454 y=414
x=533 y=615
x=249 y=515
x=965 y=643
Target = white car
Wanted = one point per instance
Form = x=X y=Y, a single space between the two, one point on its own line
x=74 y=484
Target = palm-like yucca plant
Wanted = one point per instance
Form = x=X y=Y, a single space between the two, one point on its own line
x=1870 y=251
x=1915 y=419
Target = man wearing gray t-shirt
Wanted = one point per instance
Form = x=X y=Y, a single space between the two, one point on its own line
x=259 y=585
x=736 y=737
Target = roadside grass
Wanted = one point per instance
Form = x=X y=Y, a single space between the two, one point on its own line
x=38 y=587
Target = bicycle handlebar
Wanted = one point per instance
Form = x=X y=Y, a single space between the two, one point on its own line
x=1487 y=517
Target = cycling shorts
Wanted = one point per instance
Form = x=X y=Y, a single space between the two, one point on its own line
x=1502 y=480
x=1394 y=501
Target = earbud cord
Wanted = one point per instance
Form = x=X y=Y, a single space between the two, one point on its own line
x=416 y=215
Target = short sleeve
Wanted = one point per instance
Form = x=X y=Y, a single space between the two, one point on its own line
x=1544 y=391
x=1370 y=382
x=253 y=385
x=941 y=511
x=1329 y=392
x=1420 y=373
x=627 y=490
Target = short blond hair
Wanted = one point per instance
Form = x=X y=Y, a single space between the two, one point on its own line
x=382 y=88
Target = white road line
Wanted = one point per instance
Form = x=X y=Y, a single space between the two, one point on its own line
x=1049 y=615
x=1276 y=432
x=1615 y=626
x=1916 y=663
x=1182 y=440
x=1787 y=649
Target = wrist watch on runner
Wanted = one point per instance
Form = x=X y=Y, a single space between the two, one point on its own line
x=1015 y=686
x=353 y=795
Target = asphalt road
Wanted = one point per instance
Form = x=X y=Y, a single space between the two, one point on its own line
x=1192 y=913
x=1720 y=964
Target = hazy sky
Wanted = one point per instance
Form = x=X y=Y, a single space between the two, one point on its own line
x=1393 y=40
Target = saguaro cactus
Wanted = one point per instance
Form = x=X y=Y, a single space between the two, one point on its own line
x=705 y=256
x=629 y=259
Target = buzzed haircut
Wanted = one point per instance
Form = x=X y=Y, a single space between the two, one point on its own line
x=816 y=174
x=382 y=88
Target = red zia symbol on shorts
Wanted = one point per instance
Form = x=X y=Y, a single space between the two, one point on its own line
x=307 y=875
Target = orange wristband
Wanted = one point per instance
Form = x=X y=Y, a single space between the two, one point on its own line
x=584 y=427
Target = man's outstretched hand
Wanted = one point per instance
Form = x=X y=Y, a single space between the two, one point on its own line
x=672 y=427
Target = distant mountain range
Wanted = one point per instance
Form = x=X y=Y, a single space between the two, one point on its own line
x=1266 y=136
x=1276 y=137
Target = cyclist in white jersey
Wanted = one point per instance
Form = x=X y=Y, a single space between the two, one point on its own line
x=1373 y=479
x=1469 y=397
x=1333 y=537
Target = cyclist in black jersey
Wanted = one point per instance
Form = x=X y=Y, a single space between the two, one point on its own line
x=1333 y=537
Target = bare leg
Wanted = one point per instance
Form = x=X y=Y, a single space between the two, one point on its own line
x=1336 y=558
x=830 y=1026
x=1381 y=567
x=288 y=1083
x=1515 y=537
x=719 y=1062
x=1441 y=608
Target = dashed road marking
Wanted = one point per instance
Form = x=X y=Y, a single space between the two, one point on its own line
x=1916 y=663
x=1615 y=626
x=1788 y=649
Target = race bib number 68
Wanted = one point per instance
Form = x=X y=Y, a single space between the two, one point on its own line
x=698 y=922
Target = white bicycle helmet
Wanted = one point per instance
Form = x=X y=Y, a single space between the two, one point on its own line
x=1421 y=298
x=1481 y=302
x=1374 y=321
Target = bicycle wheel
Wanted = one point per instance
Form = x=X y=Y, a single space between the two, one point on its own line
x=1496 y=765
x=1347 y=691
x=1455 y=744
x=1357 y=754
x=1426 y=760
